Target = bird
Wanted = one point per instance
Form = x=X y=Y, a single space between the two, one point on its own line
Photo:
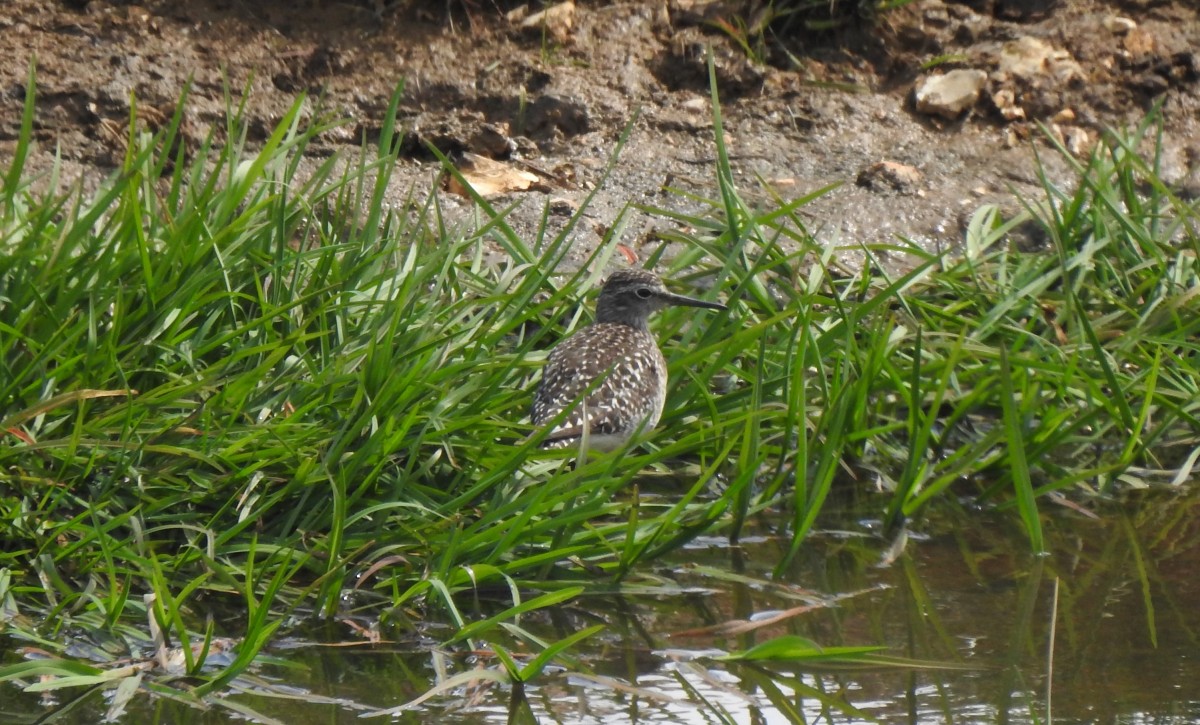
x=610 y=374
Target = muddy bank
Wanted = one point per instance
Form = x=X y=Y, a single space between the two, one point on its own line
x=915 y=149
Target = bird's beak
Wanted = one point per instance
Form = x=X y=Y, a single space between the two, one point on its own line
x=674 y=299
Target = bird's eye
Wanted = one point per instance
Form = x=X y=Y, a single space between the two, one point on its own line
x=643 y=292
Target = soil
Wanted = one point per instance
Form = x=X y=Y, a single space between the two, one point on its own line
x=552 y=100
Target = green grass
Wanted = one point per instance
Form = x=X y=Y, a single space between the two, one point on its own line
x=232 y=394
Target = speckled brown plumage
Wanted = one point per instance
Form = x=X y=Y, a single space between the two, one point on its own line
x=618 y=358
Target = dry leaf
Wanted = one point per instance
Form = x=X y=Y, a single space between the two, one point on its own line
x=489 y=178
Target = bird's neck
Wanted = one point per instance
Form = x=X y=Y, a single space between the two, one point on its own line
x=612 y=317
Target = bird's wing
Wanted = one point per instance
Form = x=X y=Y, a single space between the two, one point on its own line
x=623 y=396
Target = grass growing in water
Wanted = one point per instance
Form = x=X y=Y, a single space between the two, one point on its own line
x=228 y=386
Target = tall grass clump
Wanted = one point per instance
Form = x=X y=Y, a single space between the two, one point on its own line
x=234 y=394
x=987 y=370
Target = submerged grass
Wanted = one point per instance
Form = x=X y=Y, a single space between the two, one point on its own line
x=229 y=386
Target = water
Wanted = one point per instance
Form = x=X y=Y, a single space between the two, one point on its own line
x=1122 y=591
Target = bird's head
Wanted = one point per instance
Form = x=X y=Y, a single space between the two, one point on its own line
x=630 y=296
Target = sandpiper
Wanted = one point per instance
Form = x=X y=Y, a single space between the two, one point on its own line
x=616 y=362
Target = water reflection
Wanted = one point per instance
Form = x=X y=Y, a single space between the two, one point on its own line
x=1120 y=589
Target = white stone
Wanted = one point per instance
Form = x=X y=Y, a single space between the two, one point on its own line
x=1028 y=58
x=1119 y=25
x=950 y=94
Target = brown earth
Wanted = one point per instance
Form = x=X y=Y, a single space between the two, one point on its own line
x=552 y=100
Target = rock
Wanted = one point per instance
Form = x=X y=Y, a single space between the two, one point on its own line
x=1024 y=10
x=1077 y=141
x=1005 y=100
x=1186 y=66
x=517 y=14
x=549 y=114
x=1032 y=79
x=492 y=141
x=890 y=175
x=1066 y=115
x=670 y=119
x=1118 y=25
x=936 y=15
x=1139 y=43
x=526 y=147
x=562 y=206
x=1151 y=84
x=971 y=28
x=556 y=21
x=1030 y=58
x=342 y=133
x=950 y=94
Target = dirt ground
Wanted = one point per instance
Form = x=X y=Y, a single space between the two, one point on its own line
x=551 y=100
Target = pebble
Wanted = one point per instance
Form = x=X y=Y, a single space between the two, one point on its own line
x=950 y=94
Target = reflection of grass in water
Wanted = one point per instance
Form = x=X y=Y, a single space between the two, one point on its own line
x=225 y=383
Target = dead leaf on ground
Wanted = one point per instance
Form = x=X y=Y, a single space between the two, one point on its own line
x=489 y=178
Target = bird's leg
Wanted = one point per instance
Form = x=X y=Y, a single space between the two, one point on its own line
x=584 y=435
